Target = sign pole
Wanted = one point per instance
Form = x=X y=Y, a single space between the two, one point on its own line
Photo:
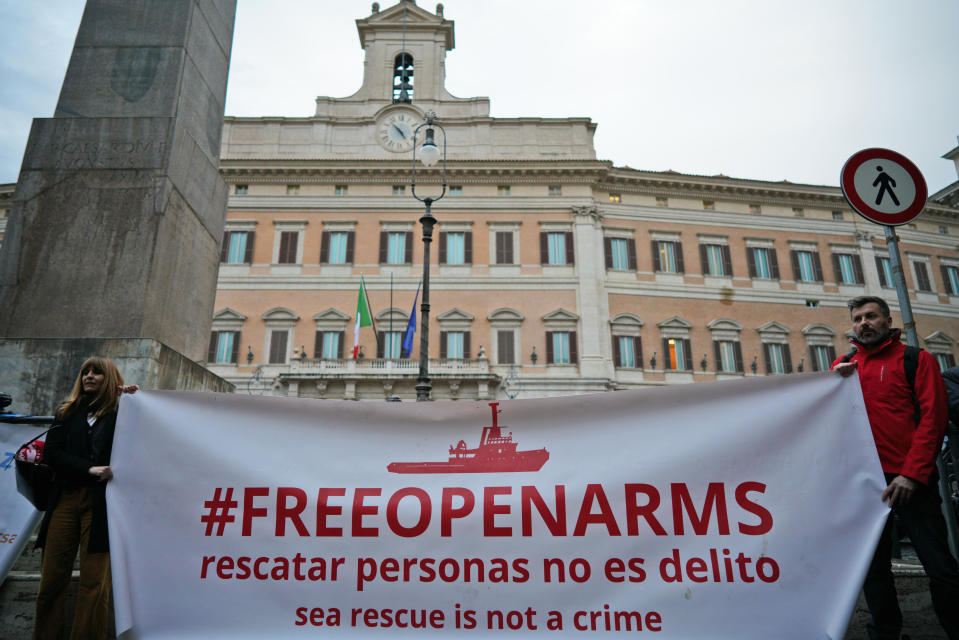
x=905 y=307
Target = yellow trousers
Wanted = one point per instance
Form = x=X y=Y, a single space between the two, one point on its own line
x=69 y=532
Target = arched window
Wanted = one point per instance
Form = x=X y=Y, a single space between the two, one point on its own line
x=403 y=78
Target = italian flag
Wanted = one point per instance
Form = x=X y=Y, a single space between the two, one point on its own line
x=363 y=318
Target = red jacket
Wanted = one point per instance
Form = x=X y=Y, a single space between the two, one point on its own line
x=904 y=447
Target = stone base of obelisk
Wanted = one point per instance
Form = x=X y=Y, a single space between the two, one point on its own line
x=38 y=373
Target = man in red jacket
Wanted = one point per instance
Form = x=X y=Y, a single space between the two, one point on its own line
x=908 y=447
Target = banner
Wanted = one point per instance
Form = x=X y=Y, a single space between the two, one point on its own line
x=744 y=509
x=18 y=518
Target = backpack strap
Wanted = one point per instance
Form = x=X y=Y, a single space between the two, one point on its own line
x=848 y=357
x=910 y=363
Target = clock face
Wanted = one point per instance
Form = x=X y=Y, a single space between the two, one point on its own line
x=395 y=131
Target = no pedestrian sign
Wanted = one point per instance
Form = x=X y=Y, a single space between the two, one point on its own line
x=883 y=186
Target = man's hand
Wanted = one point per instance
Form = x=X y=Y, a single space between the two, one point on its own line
x=102 y=474
x=846 y=369
x=899 y=492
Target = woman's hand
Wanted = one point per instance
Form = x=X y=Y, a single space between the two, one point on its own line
x=129 y=388
x=102 y=474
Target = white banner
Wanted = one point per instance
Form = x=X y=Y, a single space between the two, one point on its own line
x=745 y=509
x=18 y=518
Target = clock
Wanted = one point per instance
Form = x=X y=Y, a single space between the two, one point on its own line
x=395 y=131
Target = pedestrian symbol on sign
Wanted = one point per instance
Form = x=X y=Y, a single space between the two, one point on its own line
x=884 y=180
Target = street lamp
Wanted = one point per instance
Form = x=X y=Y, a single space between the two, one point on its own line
x=430 y=154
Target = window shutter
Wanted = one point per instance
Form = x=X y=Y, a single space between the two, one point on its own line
x=278 y=347
x=225 y=249
x=738 y=352
x=325 y=247
x=812 y=358
x=857 y=269
x=318 y=344
x=608 y=251
x=727 y=262
x=504 y=247
x=680 y=268
x=339 y=345
x=408 y=258
x=751 y=261
x=543 y=248
x=656 y=263
x=466 y=345
x=922 y=277
x=444 y=336
x=882 y=274
x=718 y=354
x=689 y=354
x=638 y=348
x=350 y=242
x=667 y=363
x=831 y=350
x=380 y=344
x=468 y=247
x=570 y=254
x=504 y=347
x=384 y=246
x=704 y=259
x=837 y=268
x=617 y=362
x=287 y=253
x=248 y=256
x=442 y=247
x=573 y=349
x=787 y=359
x=773 y=263
x=769 y=364
x=794 y=256
x=236 y=347
x=549 y=347
x=631 y=253
x=945 y=280
x=211 y=354
x=817 y=266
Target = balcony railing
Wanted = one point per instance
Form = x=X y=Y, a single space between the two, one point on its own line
x=383 y=366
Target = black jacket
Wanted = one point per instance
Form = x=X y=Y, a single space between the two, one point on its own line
x=71 y=448
x=951 y=378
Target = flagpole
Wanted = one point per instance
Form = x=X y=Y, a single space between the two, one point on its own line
x=391 y=300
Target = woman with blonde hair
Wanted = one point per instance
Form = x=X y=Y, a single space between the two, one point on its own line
x=78 y=448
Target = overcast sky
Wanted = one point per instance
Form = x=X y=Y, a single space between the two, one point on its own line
x=762 y=89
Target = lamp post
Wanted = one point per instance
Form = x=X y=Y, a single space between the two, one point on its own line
x=430 y=154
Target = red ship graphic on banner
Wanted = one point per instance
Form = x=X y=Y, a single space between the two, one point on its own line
x=495 y=453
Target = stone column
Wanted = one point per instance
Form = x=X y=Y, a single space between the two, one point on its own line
x=118 y=213
x=595 y=359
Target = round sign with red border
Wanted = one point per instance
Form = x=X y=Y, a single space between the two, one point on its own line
x=883 y=186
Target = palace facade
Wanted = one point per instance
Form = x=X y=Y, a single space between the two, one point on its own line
x=553 y=272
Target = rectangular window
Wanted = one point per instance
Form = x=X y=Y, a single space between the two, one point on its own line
x=237 y=247
x=456 y=190
x=806 y=266
x=798 y=212
x=338 y=247
x=619 y=253
x=775 y=359
x=554 y=190
x=716 y=260
x=502 y=190
x=837 y=215
x=755 y=209
x=729 y=356
x=223 y=347
x=884 y=267
x=455 y=248
x=709 y=205
x=662 y=201
x=822 y=356
x=848 y=268
x=396 y=247
x=556 y=248
x=340 y=190
x=761 y=263
x=242 y=189
x=677 y=355
x=292 y=189
x=615 y=198
x=390 y=344
x=505 y=347
x=278 y=341
x=560 y=347
x=922 y=276
x=399 y=189
x=332 y=345
x=667 y=256
x=627 y=352
x=454 y=344
x=945 y=360
x=950 y=278
x=288 y=246
x=504 y=247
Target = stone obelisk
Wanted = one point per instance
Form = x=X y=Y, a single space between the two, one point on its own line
x=112 y=244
